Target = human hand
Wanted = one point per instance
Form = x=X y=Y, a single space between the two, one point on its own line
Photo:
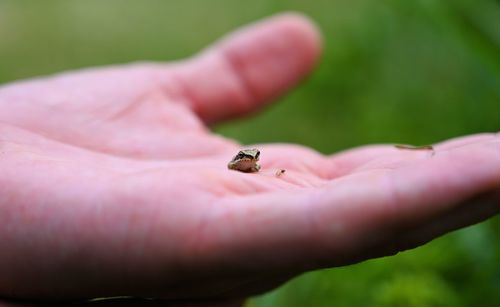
x=112 y=184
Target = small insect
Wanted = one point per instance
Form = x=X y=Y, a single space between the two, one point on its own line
x=280 y=172
x=411 y=147
x=245 y=161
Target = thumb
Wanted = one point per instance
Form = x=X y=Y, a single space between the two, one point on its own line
x=249 y=67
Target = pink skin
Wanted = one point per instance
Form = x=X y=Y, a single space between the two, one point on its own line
x=112 y=184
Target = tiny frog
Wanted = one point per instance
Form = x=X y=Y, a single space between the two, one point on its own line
x=245 y=161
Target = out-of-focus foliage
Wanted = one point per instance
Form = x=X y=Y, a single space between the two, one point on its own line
x=392 y=71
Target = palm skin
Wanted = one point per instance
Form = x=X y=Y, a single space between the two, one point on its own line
x=112 y=184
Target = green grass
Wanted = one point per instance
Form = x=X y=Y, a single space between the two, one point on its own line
x=393 y=71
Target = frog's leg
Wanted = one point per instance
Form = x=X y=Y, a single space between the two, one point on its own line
x=255 y=168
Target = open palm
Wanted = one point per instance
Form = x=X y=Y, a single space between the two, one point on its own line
x=112 y=184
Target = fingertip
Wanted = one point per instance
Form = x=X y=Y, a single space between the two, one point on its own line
x=274 y=54
x=299 y=30
x=251 y=66
x=305 y=30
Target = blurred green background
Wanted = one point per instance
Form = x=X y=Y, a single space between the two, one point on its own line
x=393 y=71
